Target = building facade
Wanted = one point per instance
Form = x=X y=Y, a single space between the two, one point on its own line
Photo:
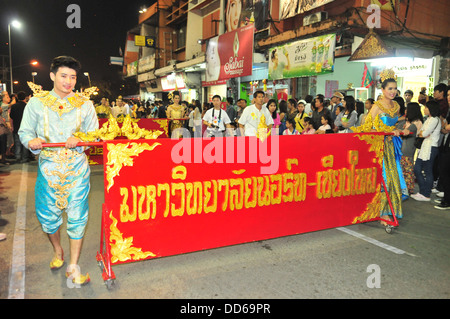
x=299 y=47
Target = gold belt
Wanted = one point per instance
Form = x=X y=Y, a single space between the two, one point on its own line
x=59 y=152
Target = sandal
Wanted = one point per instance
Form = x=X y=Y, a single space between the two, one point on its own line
x=80 y=279
x=57 y=263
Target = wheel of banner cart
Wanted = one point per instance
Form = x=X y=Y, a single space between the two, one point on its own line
x=109 y=283
x=389 y=229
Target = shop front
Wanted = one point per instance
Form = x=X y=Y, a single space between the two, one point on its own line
x=149 y=87
x=149 y=84
x=307 y=70
x=191 y=71
x=415 y=74
x=185 y=83
x=415 y=68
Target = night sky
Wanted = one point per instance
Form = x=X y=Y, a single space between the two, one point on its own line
x=45 y=35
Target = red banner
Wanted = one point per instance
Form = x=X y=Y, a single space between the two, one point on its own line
x=95 y=153
x=163 y=198
x=229 y=55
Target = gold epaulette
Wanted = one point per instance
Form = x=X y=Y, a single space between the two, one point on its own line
x=37 y=90
x=372 y=124
x=77 y=100
x=49 y=100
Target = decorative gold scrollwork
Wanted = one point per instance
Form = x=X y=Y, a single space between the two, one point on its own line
x=122 y=249
x=120 y=155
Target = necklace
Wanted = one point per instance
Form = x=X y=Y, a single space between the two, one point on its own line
x=388 y=110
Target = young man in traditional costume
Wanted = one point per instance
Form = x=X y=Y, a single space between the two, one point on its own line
x=62 y=183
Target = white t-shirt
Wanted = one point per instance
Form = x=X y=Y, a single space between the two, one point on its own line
x=294 y=132
x=216 y=117
x=324 y=127
x=431 y=130
x=197 y=117
x=191 y=119
x=115 y=110
x=126 y=109
x=308 y=108
x=251 y=117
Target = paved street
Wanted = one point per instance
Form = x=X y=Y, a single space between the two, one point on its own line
x=413 y=261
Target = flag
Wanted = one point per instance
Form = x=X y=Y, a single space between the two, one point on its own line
x=366 y=79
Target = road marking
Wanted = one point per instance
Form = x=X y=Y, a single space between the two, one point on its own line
x=17 y=274
x=374 y=242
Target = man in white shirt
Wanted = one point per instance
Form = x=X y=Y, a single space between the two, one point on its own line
x=216 y=119
x=126 y=108
x=115 y=109
x=251 y=116
x=118 y=109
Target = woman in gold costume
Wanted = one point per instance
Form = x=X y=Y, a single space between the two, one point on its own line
x=174 y=113
x=383 y=117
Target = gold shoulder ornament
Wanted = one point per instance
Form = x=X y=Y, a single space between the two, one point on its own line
x=37 y=90
x=371 y=124
x=50 y=101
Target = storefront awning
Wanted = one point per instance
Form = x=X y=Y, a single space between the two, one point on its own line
x=146 y=76
x=190 y=63
x=165 y=70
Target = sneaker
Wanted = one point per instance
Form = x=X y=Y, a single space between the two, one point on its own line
x=437 y=201
x=420 y=197
x=434 y=191
x=440 y=194
x=442 y=206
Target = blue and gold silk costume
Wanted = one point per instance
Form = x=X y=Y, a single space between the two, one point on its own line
x=63 y=175
x=392 y=171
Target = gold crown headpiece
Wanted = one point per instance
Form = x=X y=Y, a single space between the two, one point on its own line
x=387 y=74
